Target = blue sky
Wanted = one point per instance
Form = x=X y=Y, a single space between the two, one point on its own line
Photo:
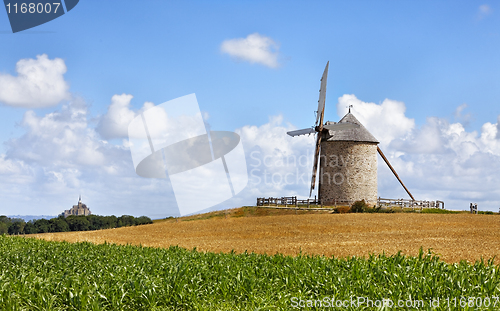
x=431 y=56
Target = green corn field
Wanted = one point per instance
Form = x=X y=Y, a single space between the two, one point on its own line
x=42 y=275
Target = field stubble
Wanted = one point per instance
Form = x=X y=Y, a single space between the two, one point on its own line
x=454 y=237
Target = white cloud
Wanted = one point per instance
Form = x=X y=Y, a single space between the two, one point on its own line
x=61 y=156
x=278 y=164
x=60 y=139
x=386 y=121
x=498 y=128
x=426 y=140
x=39 y=83
x=438 y=160
x=255 y=48
x=458 y=111
x=114 y=124
x=484 y=10
x=461 y=117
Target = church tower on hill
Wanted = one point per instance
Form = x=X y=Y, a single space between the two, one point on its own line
x=79 y=209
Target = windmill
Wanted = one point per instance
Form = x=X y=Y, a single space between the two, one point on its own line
x=343 y=139
x=319 y=127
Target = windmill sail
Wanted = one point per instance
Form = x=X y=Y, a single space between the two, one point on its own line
x=315 y=163
x=301 y=132
x=322 y=97
x=319 y=123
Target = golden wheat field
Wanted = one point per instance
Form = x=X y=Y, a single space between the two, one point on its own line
x=453 y=237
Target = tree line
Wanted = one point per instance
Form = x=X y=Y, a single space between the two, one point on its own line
x=70 y=223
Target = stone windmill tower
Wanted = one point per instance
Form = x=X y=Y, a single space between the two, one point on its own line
x=347 y=157
x=348 y=164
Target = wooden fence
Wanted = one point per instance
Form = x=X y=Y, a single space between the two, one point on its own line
x=286 y=201
x=388 y=203
x=409 y=203
x=293 y=201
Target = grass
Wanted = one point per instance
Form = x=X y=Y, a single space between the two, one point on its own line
x=440 y=211
x=488 y=213
x=42 y=275
x=254 y=211
x=245 y=211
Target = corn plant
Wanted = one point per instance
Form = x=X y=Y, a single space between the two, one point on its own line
x=42 y=275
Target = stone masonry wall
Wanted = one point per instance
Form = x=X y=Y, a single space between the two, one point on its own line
x=348 y=171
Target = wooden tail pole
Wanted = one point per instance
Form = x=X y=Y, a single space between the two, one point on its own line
x=395 y=174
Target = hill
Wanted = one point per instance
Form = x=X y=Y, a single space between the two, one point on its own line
x=454 y=237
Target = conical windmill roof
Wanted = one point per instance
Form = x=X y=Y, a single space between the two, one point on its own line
x=359 y=134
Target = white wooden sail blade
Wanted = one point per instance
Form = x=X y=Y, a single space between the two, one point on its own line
x=301 y=132
x=322 y=96
x=315 y=163
x=340 y=126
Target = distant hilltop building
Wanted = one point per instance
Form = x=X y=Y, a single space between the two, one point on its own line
x=79 y=209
